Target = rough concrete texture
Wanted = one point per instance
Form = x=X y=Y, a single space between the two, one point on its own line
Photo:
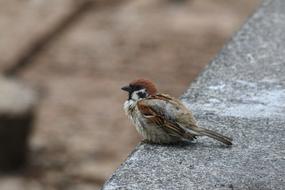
x=240 y=94
x=82 y=68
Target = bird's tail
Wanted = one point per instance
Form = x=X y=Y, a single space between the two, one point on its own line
x=212 y=134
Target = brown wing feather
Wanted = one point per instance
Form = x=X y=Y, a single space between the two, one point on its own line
x=154 y=108
x=158 y=118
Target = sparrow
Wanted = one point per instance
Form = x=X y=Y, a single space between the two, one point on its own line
x=160 y=118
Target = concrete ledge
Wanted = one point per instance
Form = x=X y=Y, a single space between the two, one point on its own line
x=241 y=94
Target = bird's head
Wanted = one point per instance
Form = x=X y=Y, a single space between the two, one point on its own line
x=140 y=89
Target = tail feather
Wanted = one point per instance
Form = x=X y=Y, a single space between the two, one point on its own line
x=219 y=137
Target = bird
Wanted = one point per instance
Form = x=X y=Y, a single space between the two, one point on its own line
x=162 y=119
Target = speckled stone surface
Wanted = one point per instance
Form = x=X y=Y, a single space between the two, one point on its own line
x=241 y=94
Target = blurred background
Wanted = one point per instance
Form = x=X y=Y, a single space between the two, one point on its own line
x=79 y=54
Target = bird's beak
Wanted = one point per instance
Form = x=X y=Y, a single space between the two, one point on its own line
x=126 y=88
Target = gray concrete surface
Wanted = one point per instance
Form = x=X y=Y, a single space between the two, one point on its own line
x=74 y=66
x=240 y=94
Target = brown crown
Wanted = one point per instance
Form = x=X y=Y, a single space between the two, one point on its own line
x=147 y=84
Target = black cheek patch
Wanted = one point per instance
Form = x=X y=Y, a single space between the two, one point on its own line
x=142 y=94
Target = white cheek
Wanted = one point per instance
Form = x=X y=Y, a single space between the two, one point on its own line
x=135 y=96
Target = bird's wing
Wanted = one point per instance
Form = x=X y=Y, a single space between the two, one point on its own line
x=167 y=112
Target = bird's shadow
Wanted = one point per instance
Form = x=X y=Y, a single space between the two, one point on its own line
x=188 y=144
